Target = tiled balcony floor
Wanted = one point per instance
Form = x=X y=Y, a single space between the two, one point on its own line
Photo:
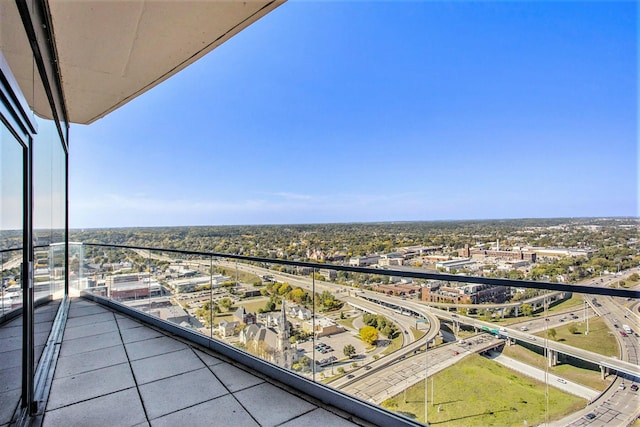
x=11 y=355
x=115 y=371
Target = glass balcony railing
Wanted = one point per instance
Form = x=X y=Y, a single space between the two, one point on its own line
x=10 y=280
x=434 y=348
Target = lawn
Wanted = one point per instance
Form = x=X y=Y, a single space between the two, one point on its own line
x=396 y=344
x=586 y=377
x=417 y=334
x=600 y=339
x=347 y=323
x=480 y=392
x=243 y=276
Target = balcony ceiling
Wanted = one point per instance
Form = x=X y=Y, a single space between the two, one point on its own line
x=109 y=52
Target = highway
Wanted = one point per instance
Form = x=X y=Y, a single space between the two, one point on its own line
x=394 y=378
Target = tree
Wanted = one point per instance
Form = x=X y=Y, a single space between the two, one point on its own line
x=225 y=303
x=349 y=350
x=297 y=295
x=573 y=329
x=284 y=289
x=527 y=309
x=369 y=334
x=552 y=333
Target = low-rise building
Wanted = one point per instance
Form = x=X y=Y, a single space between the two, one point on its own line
x=227 y=329
x=363 y=261
x=243 y=317
x=321 y=327
x=457 y=264
x=465 y=294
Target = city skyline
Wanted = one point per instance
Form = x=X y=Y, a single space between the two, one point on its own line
x=368 y=111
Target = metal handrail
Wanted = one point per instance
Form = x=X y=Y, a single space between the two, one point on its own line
x=593 y=290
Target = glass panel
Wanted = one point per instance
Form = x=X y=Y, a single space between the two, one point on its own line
x=183 y=291
x=11 y=208
x=11 y=236
x=449 y=352
x=49 y=208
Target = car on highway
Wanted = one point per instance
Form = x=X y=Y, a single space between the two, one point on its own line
x=368 y=367
x=590 y=416
x=562 y=380
x=524 y=329
x=623 y=333
x=350 y=376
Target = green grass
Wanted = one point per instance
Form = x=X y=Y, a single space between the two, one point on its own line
x=243 y=276
x=396 y=344
x=251 y=306
x=417 y=334
x=347 y=323
x=480 y=392
x=600 y=339
x=587 y=377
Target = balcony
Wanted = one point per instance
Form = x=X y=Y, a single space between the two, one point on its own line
x=138 y=342
x=114 y=370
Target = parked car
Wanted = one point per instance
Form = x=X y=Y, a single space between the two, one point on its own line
x=634 y=387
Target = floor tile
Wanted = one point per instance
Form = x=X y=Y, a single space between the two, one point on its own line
x=165 y=365
x=223 y=411
x=90 y=360
x=42 y=327
x=78 y=311
x=208 y=359
x=153 y=347
x=75 y=388
x=181 y=391
x=234 y=378
x=139 y=334
x=89 y=320
x=117 y=409
x=71 y=333
x=261 y=399
x=10 y=331
x=93 y=342
x=11 y=359
x=318 y=418
x=8 y=403
x=126 y=323
x=10 y=379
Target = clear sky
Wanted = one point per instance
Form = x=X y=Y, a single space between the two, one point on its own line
x=380 y=111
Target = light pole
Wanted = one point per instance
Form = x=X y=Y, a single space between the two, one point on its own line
x=426 y=382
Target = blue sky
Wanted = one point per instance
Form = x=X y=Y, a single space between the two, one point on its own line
x=380 y=111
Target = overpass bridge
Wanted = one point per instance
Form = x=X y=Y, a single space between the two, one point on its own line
x=553 y=348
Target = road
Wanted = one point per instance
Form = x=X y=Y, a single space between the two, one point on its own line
x=394 y=378
x=554 y=380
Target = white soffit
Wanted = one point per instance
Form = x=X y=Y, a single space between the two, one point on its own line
x=111 y=51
